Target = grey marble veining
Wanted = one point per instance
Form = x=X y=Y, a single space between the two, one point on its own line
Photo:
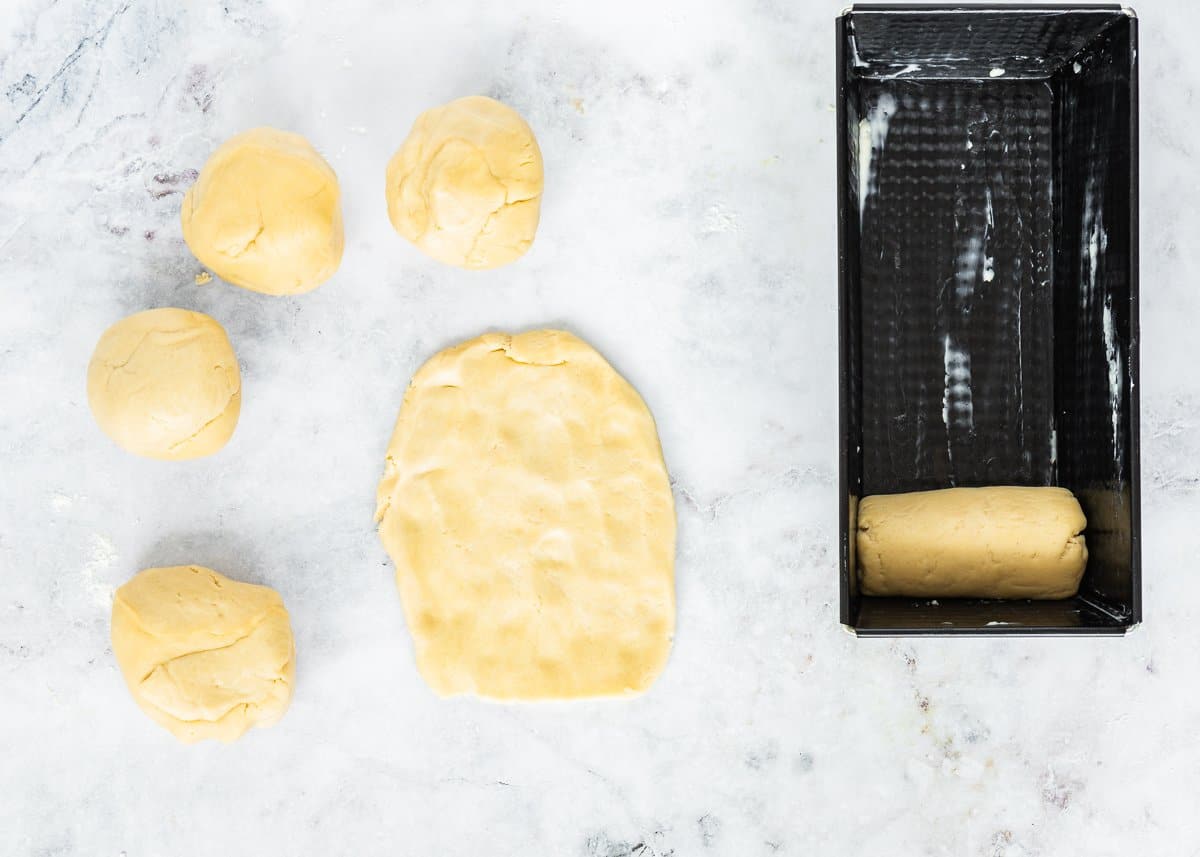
x=688 y=232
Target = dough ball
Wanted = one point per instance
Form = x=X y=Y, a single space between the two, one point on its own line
x=998 y=542
x=466 y=186
x=164 y=383
x=203 y=655
x=527 y=509
x=265 y=213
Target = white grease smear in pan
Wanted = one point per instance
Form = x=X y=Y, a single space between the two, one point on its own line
x=854 y=56
x=864 y=165
x=970 y=261
x=989 y=262
x=1097 y=238
x=1113 y=352
x=908 y=69
x=872 y=136
x=968 y=267
x=958 y=409
x=1097 y=243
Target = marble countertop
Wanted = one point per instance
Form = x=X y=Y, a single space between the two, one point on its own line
x=688 y=233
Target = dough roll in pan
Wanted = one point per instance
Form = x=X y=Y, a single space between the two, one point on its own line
x=999 y=542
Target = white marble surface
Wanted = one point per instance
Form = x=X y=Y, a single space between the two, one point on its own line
x=688 y=232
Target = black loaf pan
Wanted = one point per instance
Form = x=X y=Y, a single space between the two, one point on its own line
x=987 y=240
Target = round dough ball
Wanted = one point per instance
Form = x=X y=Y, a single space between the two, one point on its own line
x=466 y=186
x=265 y=213
x=203 y=655
x=164 y=383
x=527 y=509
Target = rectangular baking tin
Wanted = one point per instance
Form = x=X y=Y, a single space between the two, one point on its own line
x=987 y=261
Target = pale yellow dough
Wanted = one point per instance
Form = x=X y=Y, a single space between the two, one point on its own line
x=265 y=213
x=466 y=186
x=203 y=655
x=164 y=383
x=527 y=509
x=999 y=542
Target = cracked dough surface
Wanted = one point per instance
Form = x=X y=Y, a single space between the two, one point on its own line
x=203 y=655
x=265 y=213
x=527 y=509
x=466 y=185
x=999 y=542
x=164 y=383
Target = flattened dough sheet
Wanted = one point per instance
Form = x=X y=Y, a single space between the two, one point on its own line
x=526 y=506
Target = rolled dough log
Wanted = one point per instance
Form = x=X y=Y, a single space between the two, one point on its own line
x=1001 y=542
